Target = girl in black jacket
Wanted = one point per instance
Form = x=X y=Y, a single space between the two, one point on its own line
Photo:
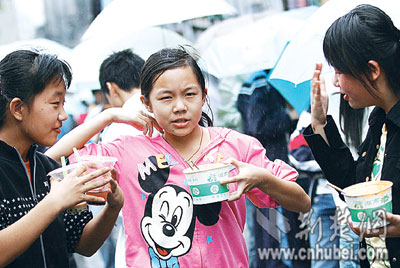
x=36 y=229
x=363 y=46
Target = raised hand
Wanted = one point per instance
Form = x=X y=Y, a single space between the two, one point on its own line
x=319 y=99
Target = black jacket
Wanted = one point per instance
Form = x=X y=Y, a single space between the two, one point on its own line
x=18 y=195
x=264 y=115
x=340 y=168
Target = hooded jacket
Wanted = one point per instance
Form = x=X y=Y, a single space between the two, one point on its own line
x=19 y=194
x=163 y=228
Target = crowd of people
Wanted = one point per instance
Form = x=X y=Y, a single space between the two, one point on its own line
x=155 y=124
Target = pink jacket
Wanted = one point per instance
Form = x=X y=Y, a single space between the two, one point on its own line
x=162 y=226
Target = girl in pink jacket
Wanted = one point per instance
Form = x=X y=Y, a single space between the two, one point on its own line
x=163 y=228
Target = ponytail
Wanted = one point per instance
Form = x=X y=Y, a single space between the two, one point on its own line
x=397 y=62
x=3 y=105
x=205 y=120
x=351 y=122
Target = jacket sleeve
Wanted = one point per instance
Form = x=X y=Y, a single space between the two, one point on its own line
x=335 y=159
x=4 y=222
x=75 y=221
x=256 y=155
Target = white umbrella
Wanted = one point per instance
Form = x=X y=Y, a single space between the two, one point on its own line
x=87 y=57
x=291 y=76
x=41 y=44
x=254 y=46
x=121 y=16
x=228 y=26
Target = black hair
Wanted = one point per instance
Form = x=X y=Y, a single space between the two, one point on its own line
x=365 y=33
x=167 y=59
x=351 y=122
x=26 y=73
x=122 y=68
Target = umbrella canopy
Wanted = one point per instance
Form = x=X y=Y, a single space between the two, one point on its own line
x=87 y=57
x=41 y=44
x=292 y=74
x=254 y=46
x=121 y=16
x=228 y=26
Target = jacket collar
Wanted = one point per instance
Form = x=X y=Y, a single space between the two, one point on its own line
x=378 y=115
x=394 y=114
x=11 y=153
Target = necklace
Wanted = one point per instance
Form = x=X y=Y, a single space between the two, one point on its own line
x=201 y=141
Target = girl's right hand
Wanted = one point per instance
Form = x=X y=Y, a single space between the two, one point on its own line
x=71 y=190
x=140 y=120
x=391 y=230
x=319 y=99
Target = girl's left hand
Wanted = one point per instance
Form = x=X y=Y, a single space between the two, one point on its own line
x=115 y=198
x=249 y=177
x=391 y=230
x=140 y=120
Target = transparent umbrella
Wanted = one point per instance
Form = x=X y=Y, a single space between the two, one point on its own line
x=87 y=56
x=291 y=75
x=121 y=16
x=253 y=46
x=41 y=44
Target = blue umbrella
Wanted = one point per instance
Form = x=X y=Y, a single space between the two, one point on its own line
x=251 y=46
x=293 y=71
